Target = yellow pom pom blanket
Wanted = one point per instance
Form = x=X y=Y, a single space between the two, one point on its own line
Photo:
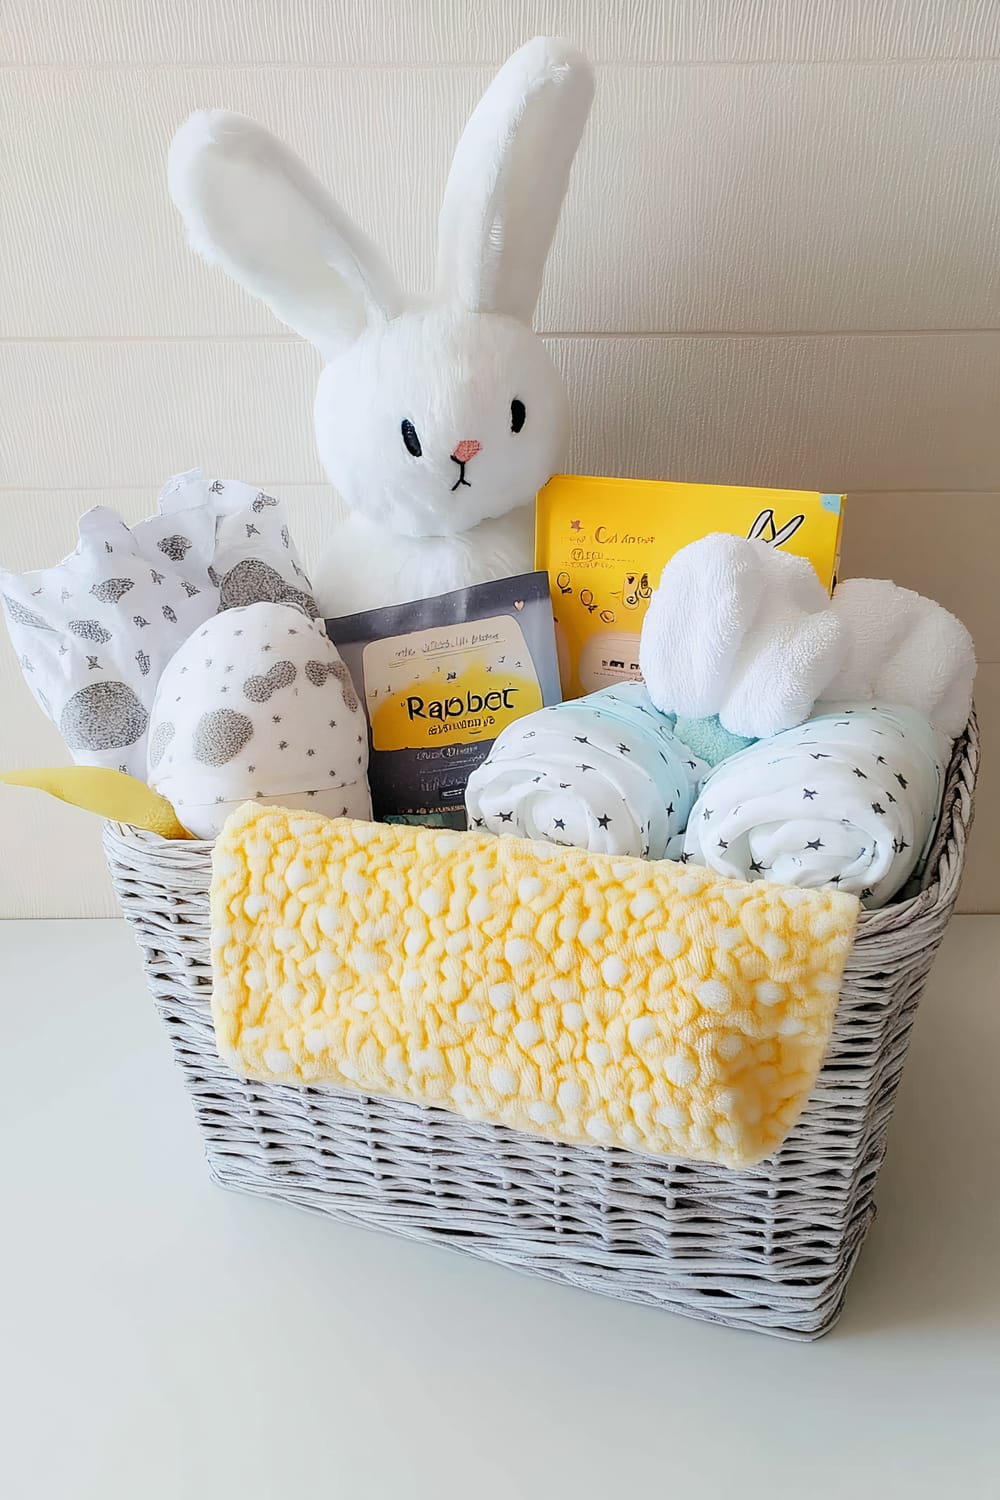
x=595 y=1000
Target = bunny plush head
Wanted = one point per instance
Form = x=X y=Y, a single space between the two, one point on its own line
x=432 y=415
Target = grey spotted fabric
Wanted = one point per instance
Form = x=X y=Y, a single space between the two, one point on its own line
x=94 y=633
x=258 y=706
x=255 y=558
x=850 y=798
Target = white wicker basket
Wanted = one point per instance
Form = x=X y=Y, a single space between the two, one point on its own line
x=771 y=1248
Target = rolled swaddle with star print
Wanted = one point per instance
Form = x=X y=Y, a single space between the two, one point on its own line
x=605 y=773
x=850 y=798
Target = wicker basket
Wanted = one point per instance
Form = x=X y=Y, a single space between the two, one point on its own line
x=770 y=1248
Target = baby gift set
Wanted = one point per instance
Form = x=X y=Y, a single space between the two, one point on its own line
x=556 y=881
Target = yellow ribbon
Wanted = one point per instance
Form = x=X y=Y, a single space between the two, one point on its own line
x=110 y=794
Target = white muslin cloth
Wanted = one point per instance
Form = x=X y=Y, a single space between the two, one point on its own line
x=94 y=633
x=605 y=773
x=741 y=630
x=850 y=798
x=255 y=560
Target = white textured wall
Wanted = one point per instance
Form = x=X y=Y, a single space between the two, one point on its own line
x=778 y=264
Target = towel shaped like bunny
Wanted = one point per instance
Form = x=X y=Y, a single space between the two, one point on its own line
x=741 y=630
x=903 y=648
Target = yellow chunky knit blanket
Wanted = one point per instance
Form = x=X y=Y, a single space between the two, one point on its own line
x=595 y=1000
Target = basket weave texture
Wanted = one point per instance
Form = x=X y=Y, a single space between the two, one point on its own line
x=770 y=1248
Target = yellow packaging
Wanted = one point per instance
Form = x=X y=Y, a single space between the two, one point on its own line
x=440 y=679
x=605 y=542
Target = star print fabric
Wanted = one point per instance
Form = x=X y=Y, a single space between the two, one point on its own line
x=257 y=706
x=605 y=773
x=255 y=559
x=93 y=633
x=850 y=798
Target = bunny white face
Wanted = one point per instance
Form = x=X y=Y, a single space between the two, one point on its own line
x=430 y=418
x=440 y=419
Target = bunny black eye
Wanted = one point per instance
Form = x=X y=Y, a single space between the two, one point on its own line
x=410 y=438
x=517 y=415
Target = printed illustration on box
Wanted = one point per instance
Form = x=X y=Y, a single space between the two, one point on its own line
x=604 y=543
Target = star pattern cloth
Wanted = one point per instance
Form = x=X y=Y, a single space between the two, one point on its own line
x=94 y=633
x=605 y=773
x=849 y=799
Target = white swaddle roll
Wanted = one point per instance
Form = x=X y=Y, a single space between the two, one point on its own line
x=849 y=798
x=605 y=773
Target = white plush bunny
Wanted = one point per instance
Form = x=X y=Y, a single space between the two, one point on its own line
x=437 y=420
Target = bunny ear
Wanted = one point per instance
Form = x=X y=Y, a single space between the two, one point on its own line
x=764 y=530
x=788 y=530
x=509 y=177
x=251 y=206
x=764 y=520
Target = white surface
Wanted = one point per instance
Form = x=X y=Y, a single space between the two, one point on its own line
x=777 y=264
x=163 y=1338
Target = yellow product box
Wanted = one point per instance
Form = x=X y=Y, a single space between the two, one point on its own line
x=605 y=542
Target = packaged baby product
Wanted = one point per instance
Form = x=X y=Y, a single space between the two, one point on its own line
x=440 y=678
x=604 y=543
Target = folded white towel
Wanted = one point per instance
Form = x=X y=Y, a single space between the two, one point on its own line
x=743 y=631
x=903 y=648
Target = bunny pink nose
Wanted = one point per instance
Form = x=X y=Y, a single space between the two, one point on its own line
x=466 y=449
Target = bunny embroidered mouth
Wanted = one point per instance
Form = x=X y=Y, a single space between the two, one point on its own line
x=461 y=474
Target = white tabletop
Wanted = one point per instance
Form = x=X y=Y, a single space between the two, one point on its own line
x=162 y=1338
